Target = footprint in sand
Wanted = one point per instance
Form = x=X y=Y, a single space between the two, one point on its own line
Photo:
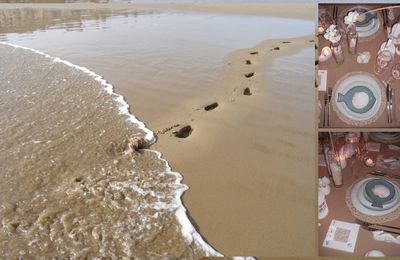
x=184 y=132
x=211 y=106
x=247 y=92
x=249 y=75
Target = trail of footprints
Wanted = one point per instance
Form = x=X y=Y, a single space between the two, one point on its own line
x=186 y=130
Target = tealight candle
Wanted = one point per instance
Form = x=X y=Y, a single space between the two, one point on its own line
x=326 y=53
x=321 y=30
x=369 y=162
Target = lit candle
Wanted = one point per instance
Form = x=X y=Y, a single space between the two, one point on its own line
x=321 y=30
x=369 y=162
x=326 y=53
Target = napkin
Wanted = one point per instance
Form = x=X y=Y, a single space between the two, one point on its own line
x=386 y=237
x=341 y=236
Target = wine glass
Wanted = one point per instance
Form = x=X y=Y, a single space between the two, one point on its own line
x=395 y=73
x=382 y=60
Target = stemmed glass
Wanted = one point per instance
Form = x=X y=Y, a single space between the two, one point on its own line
x=395 y=73
x=382 y=60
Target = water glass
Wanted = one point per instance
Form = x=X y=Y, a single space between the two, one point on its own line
x=383 y=60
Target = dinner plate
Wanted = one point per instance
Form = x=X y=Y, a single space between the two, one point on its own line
x=369 y=26
x=366 y=202
x=357 y=193
x=349 y=82
x=376 y=200
x=385 y=137
x=347 y=98
x=368 y=17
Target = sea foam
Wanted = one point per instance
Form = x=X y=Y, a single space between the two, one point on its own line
x=188 y=231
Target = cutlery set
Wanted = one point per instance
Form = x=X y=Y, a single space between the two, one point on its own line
x=389 y=105
x=383 y=174
x=327 y=107
x=374 y=227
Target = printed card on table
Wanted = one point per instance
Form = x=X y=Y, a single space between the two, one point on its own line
x=322 y=75
x=341 y=236
x=373 y=147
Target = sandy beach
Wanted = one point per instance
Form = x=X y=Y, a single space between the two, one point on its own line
x=251 y=185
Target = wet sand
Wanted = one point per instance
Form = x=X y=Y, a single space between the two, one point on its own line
x=251 y=184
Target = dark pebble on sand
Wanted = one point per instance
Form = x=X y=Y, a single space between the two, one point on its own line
x=211 y=106
x=316 y=62
x=248 y=62
x=247 y=92
x=254 y=52
x=286 y=42
x=184 y=132
x=277 y=48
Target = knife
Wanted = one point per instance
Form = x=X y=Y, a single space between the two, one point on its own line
x=388 y=103
x=391 y=103
x=374 y=227
x=329 y=106
x=382 y=174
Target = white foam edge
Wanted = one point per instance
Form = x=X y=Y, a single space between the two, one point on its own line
x=188 y=230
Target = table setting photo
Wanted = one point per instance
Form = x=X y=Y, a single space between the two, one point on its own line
x=359 y=193
x=358 y=65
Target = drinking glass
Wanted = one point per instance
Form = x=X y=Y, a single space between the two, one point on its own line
x=382 y=60
x=395 y=73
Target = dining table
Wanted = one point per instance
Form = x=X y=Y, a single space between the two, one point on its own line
x=335 y=73
x=339 y=210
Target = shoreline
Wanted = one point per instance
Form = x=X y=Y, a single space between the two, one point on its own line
x=189 y=232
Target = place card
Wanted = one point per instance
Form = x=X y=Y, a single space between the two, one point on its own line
x=322 y=76
x=341 y=236
x=373 y=147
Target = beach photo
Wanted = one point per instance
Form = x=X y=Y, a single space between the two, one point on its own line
x=157 y=129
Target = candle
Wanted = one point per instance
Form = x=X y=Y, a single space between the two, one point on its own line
x=352 y=43
x=336 y=174
x=369 y=162
x=326 y=53
x=321 y=30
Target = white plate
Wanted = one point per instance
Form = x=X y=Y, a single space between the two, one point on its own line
x=358 y=80
x=365 y=202
x=358 y=188
x=370 y=29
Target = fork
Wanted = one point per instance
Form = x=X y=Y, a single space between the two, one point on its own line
x=391 y=103
x=329 y=106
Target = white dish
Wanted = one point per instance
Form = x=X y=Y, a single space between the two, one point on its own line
x=358 y=190
x=362 y=197
x=369 y=29
x=358 y=80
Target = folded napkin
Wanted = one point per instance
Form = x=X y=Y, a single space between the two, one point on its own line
x=386 y=237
